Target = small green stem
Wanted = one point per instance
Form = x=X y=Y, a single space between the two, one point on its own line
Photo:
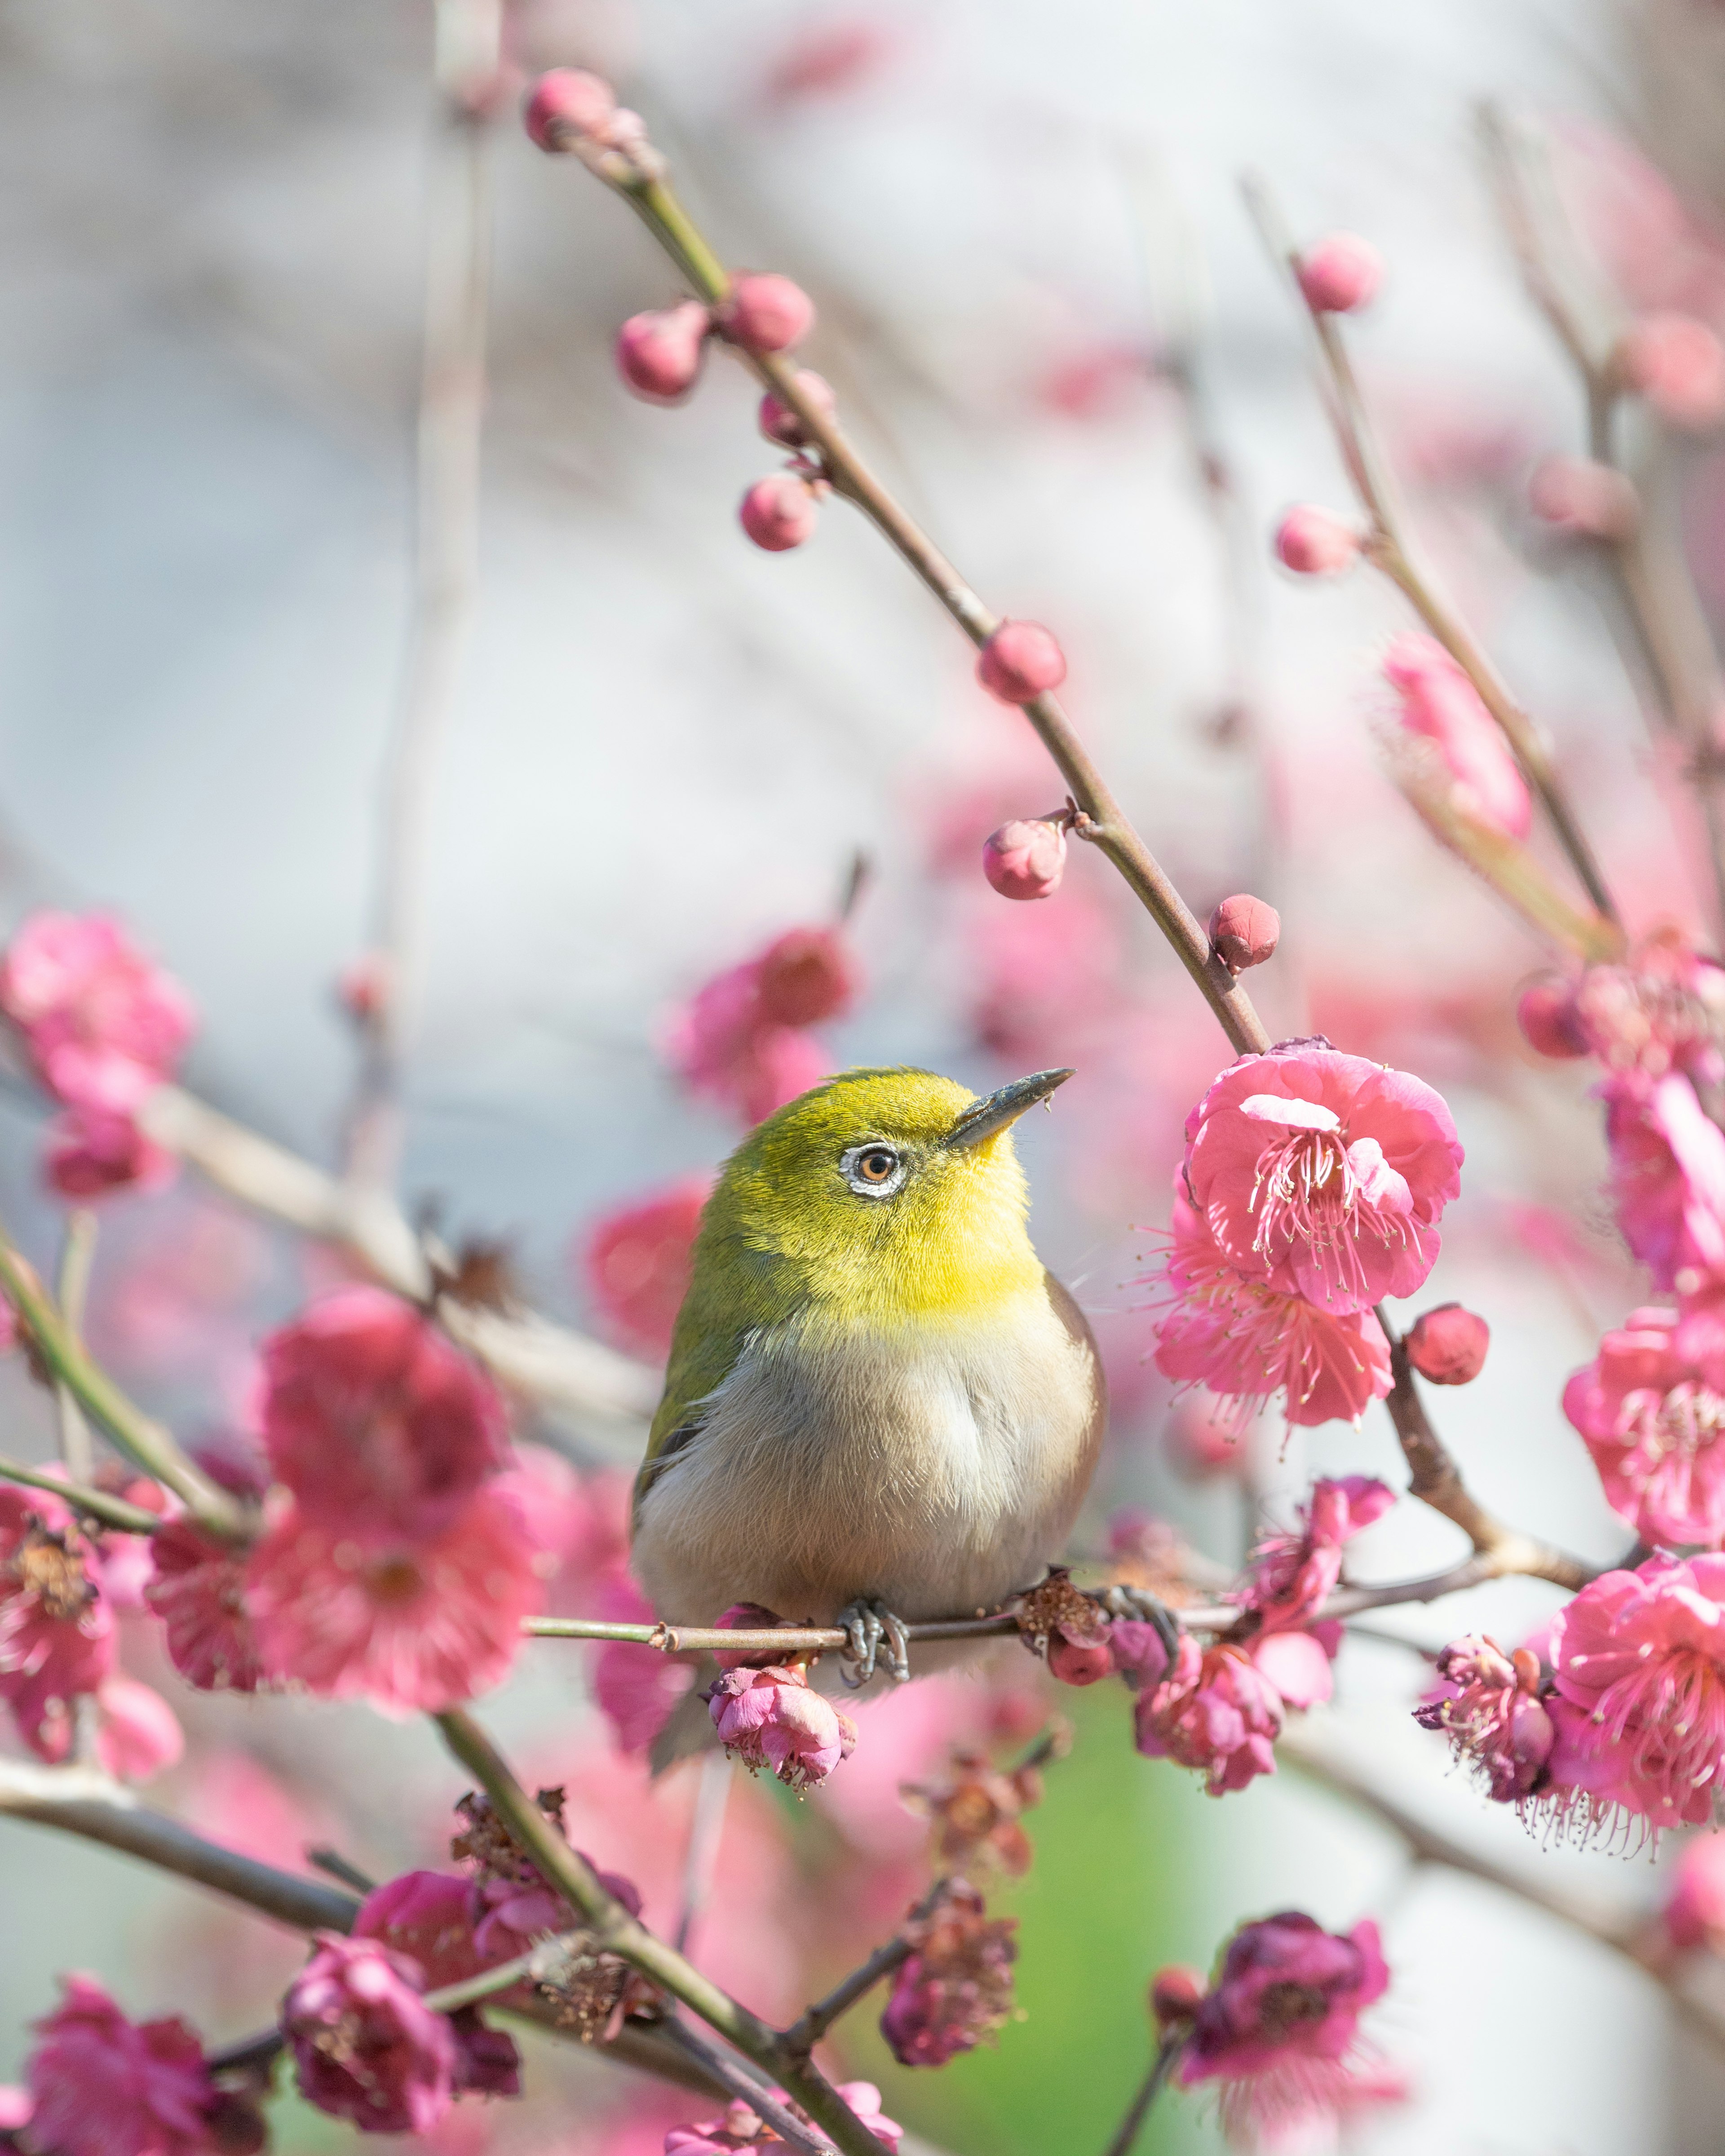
x=111 y=1511
x=147 y=1443
x=616 y=1932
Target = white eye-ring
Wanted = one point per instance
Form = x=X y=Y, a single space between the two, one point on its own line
x=873 y=1169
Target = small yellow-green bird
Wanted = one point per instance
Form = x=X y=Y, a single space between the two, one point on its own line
x=880 y=1407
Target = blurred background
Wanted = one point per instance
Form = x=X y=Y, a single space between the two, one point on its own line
x=1048 y=318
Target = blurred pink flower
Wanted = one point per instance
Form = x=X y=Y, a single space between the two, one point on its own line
x=56 y=1628
x=233 y=1798
x=101 y=2085
x=1248 y=1340
x=1662 y=1010
x=1694 y=1913
x=1639 y=1659
x=1488 y=1705
x=637 y=1689
x=1278 y=2028
x=1653 y=1426
x=1036 y=974
x=1678 y=365
x=742 y=1041
x=578 y=1517
x=1215 y=1712
x=956 y=1990
x=740 y=2129
x=93 y=1152
x=1441 y=705
x=1295 y=1662
x=1324 y=1175
x=1668 y=1182
x=365 y=2046
x=199 y=1591
x=635 y=1263
x=770 y=1718
x=103 y=1024
x=1293 y=1575
x=412 y=1626
x=138 y=1735
x=428 y=1916
x=512 y=1913
x=828 y=57
x=375 y=1421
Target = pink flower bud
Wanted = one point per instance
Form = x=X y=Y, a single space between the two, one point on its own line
x=1243 y=931
x=568 y=100
x=1341 y=273
x=1174 y=1994
x=658 y=354
x=1020 y=661
x=768 y=312
x=1678 y=365
x=1079 y=1662
x=1447 y=1346
x=778 y=513
x=1025 y=861
x=1311 y=542
x=1586 y=500
x=1545 y=1013
x=779 y=423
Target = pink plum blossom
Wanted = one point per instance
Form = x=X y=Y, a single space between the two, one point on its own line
x=1214 y=1712
x=93 y=1151
x=1668 y=1182
x=56 y=1626
x=365 y=2046
x=1025 y=860
x=955 y=1991
x=636 y=1264
x=103 y=2086
x=1489 y=1705
x=199 y=1591
x=413 y=1625
x=1662 y=1010
x=1248 y=1340
x=1639 y=1662
x=138 y=1735
x=735 y=1042
x=1694 y=1913
x=1278 y=2028
x=1322 y=1174
x=1294 y=1575
x=374 y=1419
x=1678 y=365
x=1654 y=1425
x=770 y=1718
x=103 y=1024
x=428 y=1916
x=638 y=1688
x=1441 y=705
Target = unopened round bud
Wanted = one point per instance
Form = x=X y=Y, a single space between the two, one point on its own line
x=1025 y=860
x=1020 y=661
x=778 y=513
x=779 y=423
x=768 y=312
x=1447 y=1346
x=1589 y=500
x=1340 y=274
x=1244 y=932
x=1678 y=365
x=1311 y=542
x=806 y=976
x=567 y=101
x=658 y=354
x=1176 y=1994
x=1545 y=1013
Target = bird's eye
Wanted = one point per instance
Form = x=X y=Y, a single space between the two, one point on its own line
x=874 y=1170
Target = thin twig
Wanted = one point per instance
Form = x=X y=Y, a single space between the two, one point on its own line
x=452 y=397
x=616 y=1932
x=333 y=1862
x=1101 y=822
x=82 y=1497
x=72 y=1287
x=1127 y=2139
x=146 y=1441
x=706 y=1830
x=1389 y=547
x=806 y=2031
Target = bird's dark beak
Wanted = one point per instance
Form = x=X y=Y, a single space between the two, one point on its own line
x=983 y=1117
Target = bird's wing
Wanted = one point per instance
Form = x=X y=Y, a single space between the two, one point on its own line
x=704 y=1352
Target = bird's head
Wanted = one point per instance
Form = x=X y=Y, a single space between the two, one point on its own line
x=895 y=1192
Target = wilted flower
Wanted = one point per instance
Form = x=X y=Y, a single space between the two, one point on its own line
x=1322 y=1174
x=374 y=1419
x=103 y=1024
x=770 y=1718
x=1215 y=1712
x=1654 y=1425
x=1278 y=2028
x=956 y=1990
x=977 y=1814
x=101 y=2084
x=1489 y=1705
x=1248 y=1340
x=1638 y=1663
x=199 y=1591
x=365 y=2045
x=56 y=1628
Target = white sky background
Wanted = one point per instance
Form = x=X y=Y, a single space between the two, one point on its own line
x=667 y=745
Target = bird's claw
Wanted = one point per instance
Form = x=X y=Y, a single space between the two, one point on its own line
x=872 y=1635
x=1148 y=1609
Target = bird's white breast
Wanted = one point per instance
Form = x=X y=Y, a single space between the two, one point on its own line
x=937 y=1467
